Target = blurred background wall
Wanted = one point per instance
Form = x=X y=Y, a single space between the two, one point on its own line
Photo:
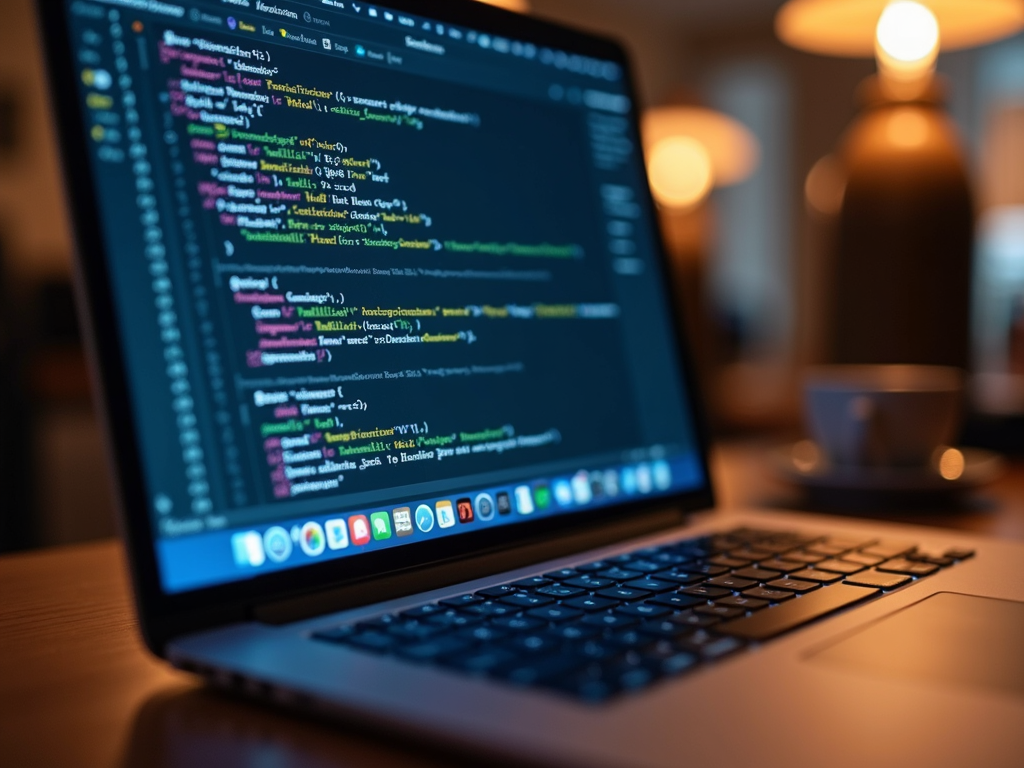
x=752 y=259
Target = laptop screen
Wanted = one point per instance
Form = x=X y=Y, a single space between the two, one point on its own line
x=378 y=279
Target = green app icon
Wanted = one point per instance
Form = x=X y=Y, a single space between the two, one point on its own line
x=542 y=496
x=380 y=524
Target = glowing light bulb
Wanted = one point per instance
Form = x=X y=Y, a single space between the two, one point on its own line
x=906 y=46
x=908 y=31
x=680 y=171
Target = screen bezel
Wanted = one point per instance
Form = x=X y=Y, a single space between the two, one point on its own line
x=163 y=616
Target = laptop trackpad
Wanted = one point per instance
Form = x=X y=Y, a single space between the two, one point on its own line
x=946 y=638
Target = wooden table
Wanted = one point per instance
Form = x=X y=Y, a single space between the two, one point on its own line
x=77 y=688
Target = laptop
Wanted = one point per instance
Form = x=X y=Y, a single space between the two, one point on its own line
x=403 y=429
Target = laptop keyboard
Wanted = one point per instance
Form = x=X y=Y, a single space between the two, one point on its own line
x=618 y=625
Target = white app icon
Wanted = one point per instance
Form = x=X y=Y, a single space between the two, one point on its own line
x=524 y=500
x=445 y=514
x=337 y=534
x=662 y=475
x=248 y=549
x=278 y=544
x=424 y=518
x=581 y=488
x=563 y=493
x=643 y=478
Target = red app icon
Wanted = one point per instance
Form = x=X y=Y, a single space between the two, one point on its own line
x=359 y=527
x=465 y=507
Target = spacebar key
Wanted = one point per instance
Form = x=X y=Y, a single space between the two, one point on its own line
x=782 y=618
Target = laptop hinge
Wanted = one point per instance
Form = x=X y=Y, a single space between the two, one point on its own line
x=478 y=565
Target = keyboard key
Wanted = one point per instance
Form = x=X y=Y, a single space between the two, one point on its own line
x=630 y=639
x=530 y=671
x=860 y=557
x=574 y=631
x=644 y=566
x=431 y=649
x=665 y=628
x=680 y=577
x=620 y=574
x=719 y=611
x=490 y=608
x=765 y=625
x=590 y=582
x=728 y=561
x=902 y=565
x=516 y=623
x=643 y=610
x=708 y=569
x=802 y=556
x=453 y=618
x=531 y=583
x=959 y=554
x=480 y=661
x=793 y=585
x=812 y=574
x=677 y=663
x=560 y=591
x=746 y=603
x=774 y=595
x=723 y=646
x=421 y=610
x=373 y=640
x=534 y=642
x=413 y=629
x=708 y=593
x=609 y=620
x=526 y=600
x=731 y=581
x=597 y=649
x=785 y=566
x=757 y=574
x=562 y=574
x=651 y=585
x=878 y=579
x=838 y=566
x=335 y=634
x=888 y=550
x=596 y=565
x=828 y=550
x=591 y=603
x=691 y=620
x=482 y=634
x=554 y=613
x=751 y=554
x=676 y=600
x=624 y=593
x=499 y=591
x=461 y=601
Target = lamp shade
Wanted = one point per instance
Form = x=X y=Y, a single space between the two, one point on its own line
x=847 y=27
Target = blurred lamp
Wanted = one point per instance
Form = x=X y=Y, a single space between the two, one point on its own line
x=690 y=150
x=897 y=186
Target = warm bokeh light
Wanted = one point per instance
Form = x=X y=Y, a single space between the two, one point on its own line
x=907 y=128
x=806 y=456
x=519 y=6
x=680 y=171
x=847 y=27
x=907 y=45
x=825 y=186
x=733 y=149
x=952 y=464
x=908 y=32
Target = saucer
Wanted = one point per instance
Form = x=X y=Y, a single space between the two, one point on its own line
x=953 y=470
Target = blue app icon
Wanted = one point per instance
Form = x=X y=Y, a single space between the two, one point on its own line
x=424 y=518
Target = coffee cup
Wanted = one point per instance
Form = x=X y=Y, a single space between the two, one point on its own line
x=882 y=415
